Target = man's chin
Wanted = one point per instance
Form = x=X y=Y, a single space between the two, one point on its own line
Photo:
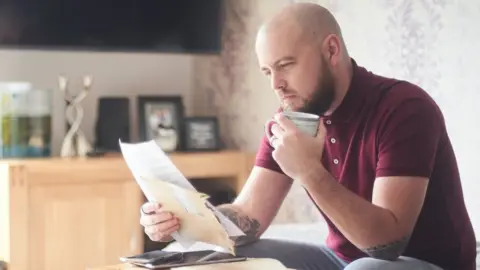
x=291 y=107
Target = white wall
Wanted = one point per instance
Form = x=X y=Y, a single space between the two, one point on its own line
x=115 y=74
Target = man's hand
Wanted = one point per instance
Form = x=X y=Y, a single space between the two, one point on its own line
x=297 y=153
x=158 y=224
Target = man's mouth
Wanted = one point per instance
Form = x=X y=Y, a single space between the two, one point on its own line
x=288 y=97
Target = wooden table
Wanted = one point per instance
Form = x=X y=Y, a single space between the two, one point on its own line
x=250 y=264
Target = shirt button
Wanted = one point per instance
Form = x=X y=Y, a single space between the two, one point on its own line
x=336 y=161
x=328 y=122
x=332 y=140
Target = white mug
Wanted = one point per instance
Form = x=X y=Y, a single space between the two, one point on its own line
x=305 y=122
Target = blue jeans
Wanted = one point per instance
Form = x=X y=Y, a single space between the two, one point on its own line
x=304 y=256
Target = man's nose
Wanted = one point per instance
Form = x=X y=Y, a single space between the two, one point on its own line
x=277 y=82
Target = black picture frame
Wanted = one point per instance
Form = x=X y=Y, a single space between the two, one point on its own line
x=155 y=108
x=202 y=133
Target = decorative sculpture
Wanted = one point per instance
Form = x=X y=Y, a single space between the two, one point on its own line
x=75 y=142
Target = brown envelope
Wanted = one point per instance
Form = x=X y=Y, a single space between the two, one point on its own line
x=197 y=221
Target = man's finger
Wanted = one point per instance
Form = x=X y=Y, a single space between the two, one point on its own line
x=163 y=236
x=286 y=124
x=149 y=220
x=162 y=228
x=274 y=142
x=277 y=131
x=150 y=207
x=322 y=131
x=172 y=229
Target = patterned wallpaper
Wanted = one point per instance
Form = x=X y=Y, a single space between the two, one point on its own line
x=432 y=43
x=220 y=87
x=230 y=85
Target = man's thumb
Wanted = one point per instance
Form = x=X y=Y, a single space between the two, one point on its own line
x=322 y=131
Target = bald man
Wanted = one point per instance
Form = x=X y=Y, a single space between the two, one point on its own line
x=381 y=170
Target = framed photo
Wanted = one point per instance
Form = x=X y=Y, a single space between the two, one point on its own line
x=202 y=134
x=161 y=120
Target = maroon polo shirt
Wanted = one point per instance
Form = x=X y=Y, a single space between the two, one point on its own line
x=386 y=127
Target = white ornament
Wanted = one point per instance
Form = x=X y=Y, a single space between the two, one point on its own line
x=75 y=142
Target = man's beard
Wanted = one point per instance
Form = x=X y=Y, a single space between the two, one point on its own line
x=321 y=100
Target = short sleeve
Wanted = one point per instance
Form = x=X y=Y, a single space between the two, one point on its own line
x=264 y=156
x=409 y=138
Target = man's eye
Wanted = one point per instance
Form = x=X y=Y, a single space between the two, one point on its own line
x=285 y=65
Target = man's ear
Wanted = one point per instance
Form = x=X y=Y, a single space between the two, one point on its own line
x=331 y=49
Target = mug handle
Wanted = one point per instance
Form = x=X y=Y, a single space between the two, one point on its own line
x=268 y=130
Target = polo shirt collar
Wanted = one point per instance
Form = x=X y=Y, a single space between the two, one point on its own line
x=354 y=98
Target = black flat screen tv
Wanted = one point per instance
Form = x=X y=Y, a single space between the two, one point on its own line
x=179 y=26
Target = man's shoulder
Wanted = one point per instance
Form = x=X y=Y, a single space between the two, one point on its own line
x=390 y=91
x=395 y=95
x=391 y=101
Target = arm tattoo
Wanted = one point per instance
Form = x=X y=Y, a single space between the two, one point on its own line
x=389 y=251
x=248 y=225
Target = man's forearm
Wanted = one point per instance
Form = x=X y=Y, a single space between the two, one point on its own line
x=250 y=226
x=371 y=228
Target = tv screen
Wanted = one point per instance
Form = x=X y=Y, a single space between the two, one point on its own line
x=183 y=26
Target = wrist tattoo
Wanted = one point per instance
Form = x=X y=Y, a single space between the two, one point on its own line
x=389 y=251
x=249 y=226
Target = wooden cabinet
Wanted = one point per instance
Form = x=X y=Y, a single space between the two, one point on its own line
x=58 y=214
